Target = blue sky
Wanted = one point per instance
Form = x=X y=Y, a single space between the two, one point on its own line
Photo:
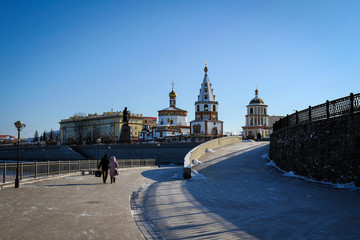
x=62 y=57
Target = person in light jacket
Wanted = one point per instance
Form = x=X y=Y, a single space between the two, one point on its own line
x=104 y=164
x=113 y=166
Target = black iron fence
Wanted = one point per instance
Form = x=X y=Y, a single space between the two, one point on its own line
x=28 y=170
x=330 y=109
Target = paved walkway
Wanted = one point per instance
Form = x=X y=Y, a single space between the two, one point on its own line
x=75 y=207
x=239 y=198
x=242 y=198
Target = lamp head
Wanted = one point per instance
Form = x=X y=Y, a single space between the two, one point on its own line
x=19 y=124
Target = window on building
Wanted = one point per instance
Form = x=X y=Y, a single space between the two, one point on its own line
x=214 y=108
x=264 y=110
x=206 y=107
x=198 y=108
x=251 y=111
x=205 y=89
x=162 y=122
x=251 y=122
x=206 y=96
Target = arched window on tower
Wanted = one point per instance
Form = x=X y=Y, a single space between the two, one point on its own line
x=214 y=108
x=251 y=111
x=198 y=108
x=265 y=111
x=205 y=97
x=206 y=107
x=251 y=121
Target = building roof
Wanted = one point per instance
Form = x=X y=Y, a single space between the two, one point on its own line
x=175 y=109
x=206 y=92
x=256 y=99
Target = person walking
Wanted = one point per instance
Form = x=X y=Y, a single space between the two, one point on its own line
x=104 y=164
x=113 y=166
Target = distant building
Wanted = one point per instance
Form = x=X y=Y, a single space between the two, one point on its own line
x=7 y=138
x=257 y=119
x=206 y=123
x=172 y=121
x=80 y=129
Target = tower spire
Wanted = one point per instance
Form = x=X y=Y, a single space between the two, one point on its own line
x=206 y=68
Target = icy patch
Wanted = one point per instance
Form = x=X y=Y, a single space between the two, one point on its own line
x=248 y=140
x=196 y=176
x=208 y=150
x=196 y=162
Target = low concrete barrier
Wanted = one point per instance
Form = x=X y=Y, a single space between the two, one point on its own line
x=198 y=151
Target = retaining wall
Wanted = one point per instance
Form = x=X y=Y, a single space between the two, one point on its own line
x=198 y=151
x=326 y=150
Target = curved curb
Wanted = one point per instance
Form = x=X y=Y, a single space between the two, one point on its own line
x=146 y=229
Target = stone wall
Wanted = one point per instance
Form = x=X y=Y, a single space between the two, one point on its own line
x=166 y=153
x=39 y=153
x=326 y=150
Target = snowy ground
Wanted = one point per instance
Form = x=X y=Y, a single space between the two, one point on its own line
x=238 y=196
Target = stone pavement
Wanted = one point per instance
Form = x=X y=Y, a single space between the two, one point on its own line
x=240 y=197
x=75 y=207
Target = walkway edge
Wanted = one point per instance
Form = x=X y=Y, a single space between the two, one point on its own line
x=146 y=229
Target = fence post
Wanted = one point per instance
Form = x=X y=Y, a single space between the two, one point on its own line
x=309 y=113
x=69 y=166
x=79 y=165
x=4 y=173
x=48 y=167
x=327 y=109
x=351 y=102
x=36 y=169
x=287 y=120
x=297 y=117
x=59 y=167
x=22 y=170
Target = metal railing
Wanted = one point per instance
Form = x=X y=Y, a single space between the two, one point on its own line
x=330 y=109
x=28 y=170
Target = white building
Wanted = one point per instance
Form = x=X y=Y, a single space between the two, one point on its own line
x=172 y=121
x=206 y=121
x=257 y=119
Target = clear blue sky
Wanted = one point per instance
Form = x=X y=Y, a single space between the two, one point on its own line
x=62 y=57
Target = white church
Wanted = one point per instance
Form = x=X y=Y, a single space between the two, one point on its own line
x=206 y=123
x=172 y=121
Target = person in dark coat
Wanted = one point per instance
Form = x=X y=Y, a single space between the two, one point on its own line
x=104 y=164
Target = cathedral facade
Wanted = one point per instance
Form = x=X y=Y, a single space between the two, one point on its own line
x=206 y=123
x=257 y=123
x=172 y=121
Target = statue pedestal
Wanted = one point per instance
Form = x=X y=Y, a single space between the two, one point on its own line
x=124 y=136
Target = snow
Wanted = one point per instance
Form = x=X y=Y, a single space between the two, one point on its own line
x=249 y=140
x=208 y=150
x=196 y=162
x=196 y=176
x=348 y=186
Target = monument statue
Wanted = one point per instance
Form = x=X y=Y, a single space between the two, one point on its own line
x=124 y=136
x=126 y=117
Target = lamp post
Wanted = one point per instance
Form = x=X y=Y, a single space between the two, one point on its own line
x=19 y=125
x=158 y=154
x=98 y=140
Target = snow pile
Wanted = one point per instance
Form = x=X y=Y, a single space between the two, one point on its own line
x=208 y=150
x=196 y=162
x=196 y=176
x=349 y=186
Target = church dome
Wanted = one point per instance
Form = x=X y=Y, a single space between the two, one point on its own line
x=256 y=99
x=172 y=94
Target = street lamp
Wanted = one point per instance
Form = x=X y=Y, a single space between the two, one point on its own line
x=19 y=125
x=98 y=140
